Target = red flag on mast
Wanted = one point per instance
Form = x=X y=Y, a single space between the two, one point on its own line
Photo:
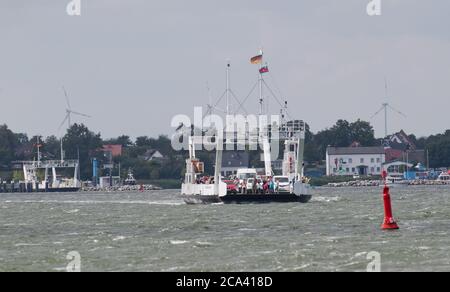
x=264 y=69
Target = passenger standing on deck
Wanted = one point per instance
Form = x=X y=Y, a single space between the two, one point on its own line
x=265 y=187
x=255 y=185
x=271 y=186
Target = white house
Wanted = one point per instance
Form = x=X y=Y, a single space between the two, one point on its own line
x=153 y=155
x=355 y=160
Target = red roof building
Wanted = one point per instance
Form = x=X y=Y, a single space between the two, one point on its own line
x=116 y=150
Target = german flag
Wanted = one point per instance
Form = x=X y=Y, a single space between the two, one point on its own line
x=256 y=60
x=264 y=69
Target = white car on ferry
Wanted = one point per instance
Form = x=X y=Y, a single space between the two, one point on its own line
x=284 y=185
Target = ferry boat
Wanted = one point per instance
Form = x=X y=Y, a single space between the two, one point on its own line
x=52 y=182
x=195 y=191
x=42 y=176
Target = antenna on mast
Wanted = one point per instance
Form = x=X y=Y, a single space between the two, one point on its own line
x=228 y=87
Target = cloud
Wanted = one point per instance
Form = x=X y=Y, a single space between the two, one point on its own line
x=134 y=64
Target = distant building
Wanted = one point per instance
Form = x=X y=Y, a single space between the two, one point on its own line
x=401 y=141
x=153 y=155
x=400 y=147
x=393 y=154
x=343 y=161
x=413 y=156
x=115 y=150
x=105 y=181
x=234 y=160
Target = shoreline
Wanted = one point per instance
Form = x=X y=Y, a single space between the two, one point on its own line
x=377 y=183
x=132 y=188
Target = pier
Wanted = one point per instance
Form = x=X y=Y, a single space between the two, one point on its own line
x=18 y=187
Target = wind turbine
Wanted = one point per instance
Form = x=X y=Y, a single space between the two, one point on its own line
x=385 y=106
x=69 y=112
x=68 y=118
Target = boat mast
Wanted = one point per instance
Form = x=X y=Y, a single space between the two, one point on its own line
x=264 y=131
x=218 y=168
x=38 y=146
x=62 y=151
x=190 y=175
x=386 y=104
x=385 y=120
x=261 y=100
x=300 y=154
x=228 y=87
x=191 y=147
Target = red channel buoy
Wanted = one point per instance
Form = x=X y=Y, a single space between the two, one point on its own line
x=389 y=222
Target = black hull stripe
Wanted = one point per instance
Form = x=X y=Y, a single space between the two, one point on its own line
x=242 y=199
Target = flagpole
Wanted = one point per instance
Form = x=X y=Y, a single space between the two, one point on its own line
x=261 y=85
x=228 y=87
x=38 y=151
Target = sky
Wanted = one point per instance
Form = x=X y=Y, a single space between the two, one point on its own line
x=134 y=64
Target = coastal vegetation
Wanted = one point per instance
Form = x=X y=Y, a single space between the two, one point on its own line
x=81 y=143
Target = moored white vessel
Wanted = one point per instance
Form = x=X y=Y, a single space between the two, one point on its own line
x=444 y=177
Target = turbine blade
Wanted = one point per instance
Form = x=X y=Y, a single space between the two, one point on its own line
x=385 y=87
x=375 y=114
x=63 y=122
x=80 y=114
x=67 y=97
x=397 y=111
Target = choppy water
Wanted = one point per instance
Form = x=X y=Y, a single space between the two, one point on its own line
x=158 y=232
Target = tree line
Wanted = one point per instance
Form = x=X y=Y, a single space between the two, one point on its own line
x=81 y=143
